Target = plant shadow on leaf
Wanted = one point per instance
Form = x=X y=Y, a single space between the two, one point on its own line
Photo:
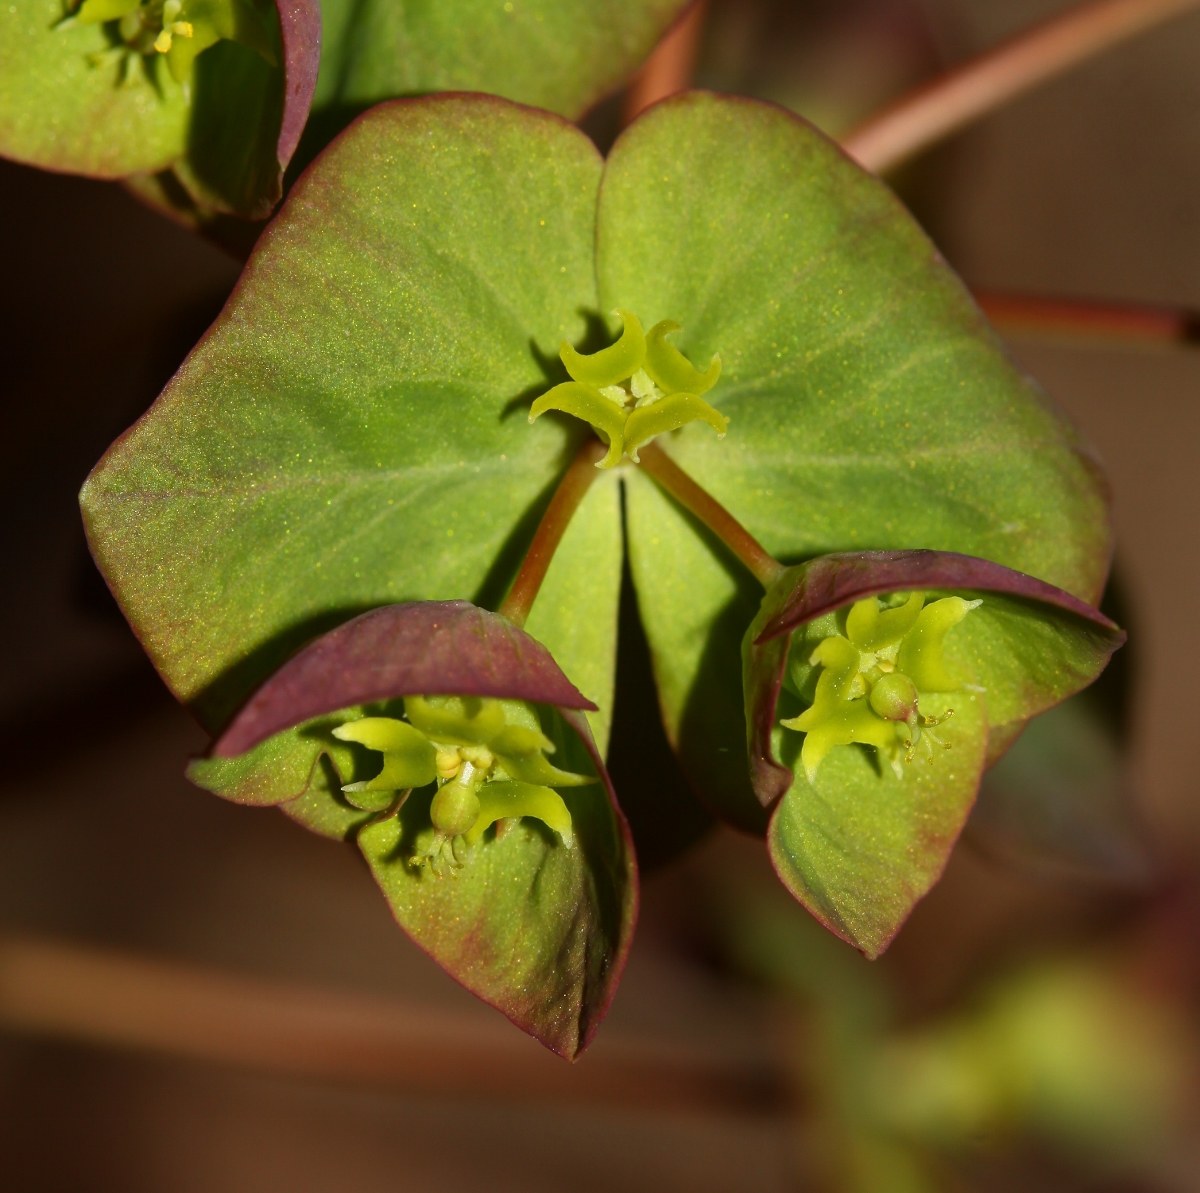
x=596 y=336
x=664 y=814
x=413 y=819
x=237 y=170
x=712 y=728
x=503 y=569
x=322 y=127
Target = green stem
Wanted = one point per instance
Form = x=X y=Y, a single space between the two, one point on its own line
x=698 y=501
x=570 y=492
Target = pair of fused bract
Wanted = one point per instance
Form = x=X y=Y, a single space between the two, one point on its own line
x=871 y=677
x=635 y=389
x=487 y=756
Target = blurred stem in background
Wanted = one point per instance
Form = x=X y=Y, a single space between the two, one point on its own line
x=669 y=69
x=990 y=81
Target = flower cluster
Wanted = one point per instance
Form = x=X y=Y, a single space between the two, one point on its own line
x=871 y=678
x=635 y=389
x=180 y=30
x=488 y=758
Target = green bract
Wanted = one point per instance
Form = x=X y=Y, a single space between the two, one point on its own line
x=871 y=710
x=353 y=432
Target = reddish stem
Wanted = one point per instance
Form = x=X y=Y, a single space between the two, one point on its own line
x=991 y=80
x=698 y=501
x=669 y=68
x=570 y=492
x=1084 y=319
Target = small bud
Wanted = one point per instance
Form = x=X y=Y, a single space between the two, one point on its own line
x=455 y=808
x=894 y=697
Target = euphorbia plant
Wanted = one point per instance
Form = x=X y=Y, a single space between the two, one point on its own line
x=394 y=410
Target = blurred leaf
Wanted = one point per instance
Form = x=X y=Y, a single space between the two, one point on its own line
x=1059 y=803
x=230 y=131
x=562 y=55
x=1066 y=1051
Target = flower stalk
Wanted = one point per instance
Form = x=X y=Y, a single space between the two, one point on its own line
x=570 y=492
x=699 y=502
x=986 y=83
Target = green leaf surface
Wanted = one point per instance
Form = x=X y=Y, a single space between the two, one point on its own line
x=350 y=432
x=870 y=404
x=561 y=55
x=1025 y=656
x=860 y=846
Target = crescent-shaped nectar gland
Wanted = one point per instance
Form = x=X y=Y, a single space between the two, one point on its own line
x=634 y=390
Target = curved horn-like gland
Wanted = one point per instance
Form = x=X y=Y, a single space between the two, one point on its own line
x=588 y=403
x=612 y=364
x=408 y=756
x=498 y=801
x=670 y=370
x=669 y=414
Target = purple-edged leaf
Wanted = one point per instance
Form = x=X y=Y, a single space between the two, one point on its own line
x=435 y=648
x=1030 y=645
x=859 y=845
x=539 y=931
x=430 y=648
x=300 y=33
x=537 y=928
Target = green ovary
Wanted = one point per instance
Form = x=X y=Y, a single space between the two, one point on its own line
x=488 y=758
x=633 y=390
x=179 y=30
x=871 y=678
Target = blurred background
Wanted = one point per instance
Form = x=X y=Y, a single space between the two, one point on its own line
x=258 y=1022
